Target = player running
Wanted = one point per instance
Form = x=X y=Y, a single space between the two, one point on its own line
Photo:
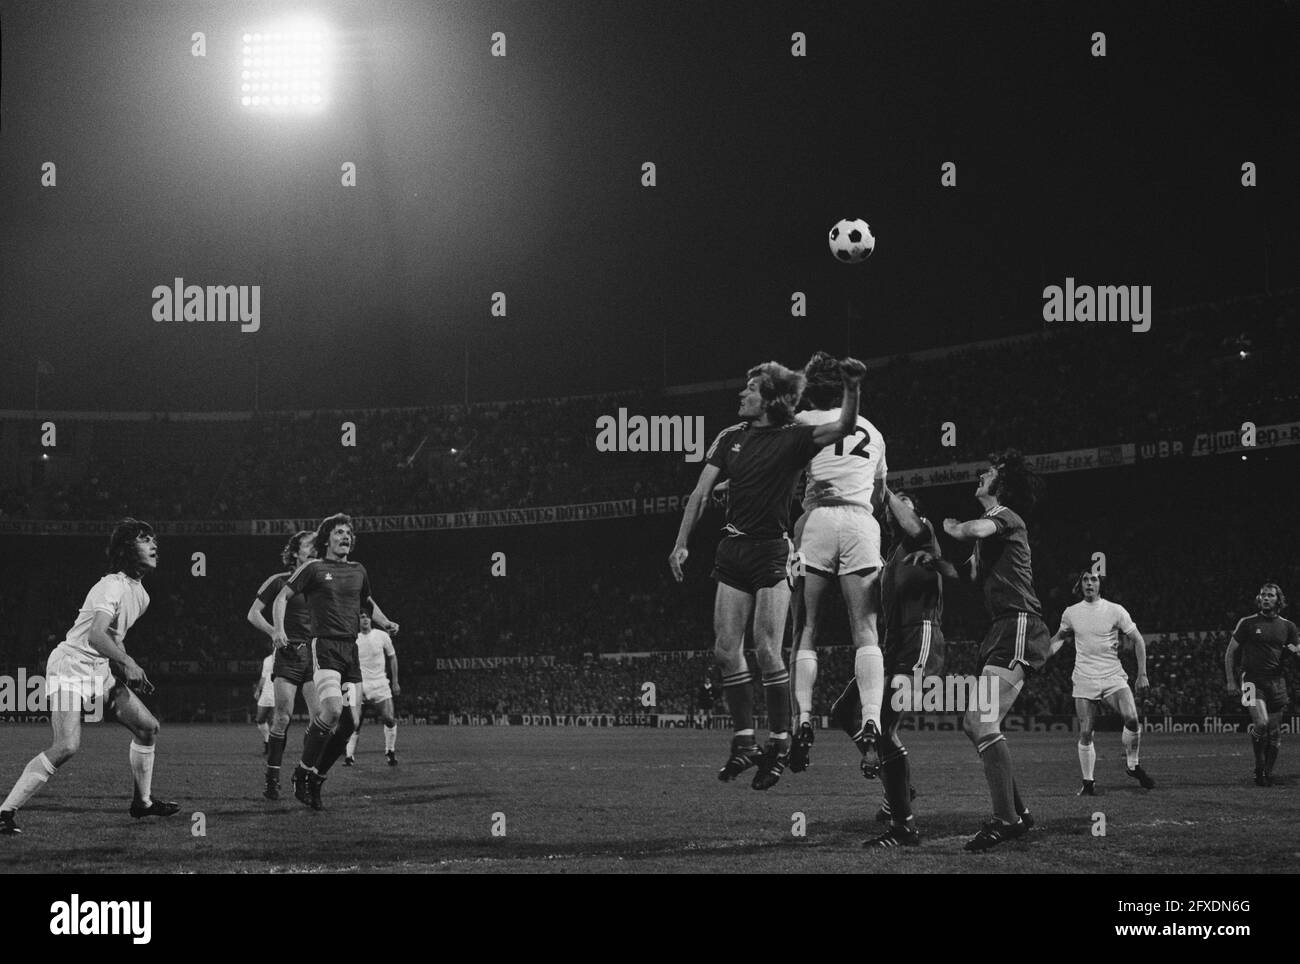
x=374 y=650
x=911 y=589
x=264 y=693
x=762 y=457
x=1017 y=641
x=292 y=670
x=1095 y=626
x=1261 y=639
x=91 y=667
x=838 y=536
x=335 y=589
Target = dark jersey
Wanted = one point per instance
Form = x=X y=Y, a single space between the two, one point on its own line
x=911 y=594
x=763 y=465
x=334 y=592
x=1004 y=566
x=1261 y=639
x=297 y=617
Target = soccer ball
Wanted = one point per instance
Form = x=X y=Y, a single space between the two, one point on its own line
x=851 y=241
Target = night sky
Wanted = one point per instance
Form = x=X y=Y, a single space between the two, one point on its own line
x=522 y=174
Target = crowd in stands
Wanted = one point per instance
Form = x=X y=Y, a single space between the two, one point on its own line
x=1217 y=366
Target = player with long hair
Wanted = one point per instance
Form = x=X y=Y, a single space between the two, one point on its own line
x=91 y=668
x=1017 y=641
x=838 y=538
x=335 y=588
x=1260 y=639
x=1096 y=627
x=762 y=457
x=291 y=670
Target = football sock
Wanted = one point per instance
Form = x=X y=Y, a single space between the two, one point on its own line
x=390 y=738
x=1015 y=797
x=38 y=770
x=1274 y=741
x=313 y=742
x=869 y=671
x=776 y=688
x=805 y=678
x=265 y=730
x=142 y=771
x=352 y=744
x=336 y=744
x=1087 y=759
x=895 y=774
x=275 y=752
x=738 y=688
x=844 y=711
x=995 y=755
x=1132 y=739
x=1257 y=744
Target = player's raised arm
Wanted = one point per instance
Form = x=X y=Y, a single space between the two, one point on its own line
x=695 y=504
x=903 y=514
x=103 y=644
x=852 y=372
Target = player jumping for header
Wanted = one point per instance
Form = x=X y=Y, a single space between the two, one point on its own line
x=335 y=589
x=91 y=666
x=762 y=457
x=838 y=537
x=1261 y=639
x=1095 y=626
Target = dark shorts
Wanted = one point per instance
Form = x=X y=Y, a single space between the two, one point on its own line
x=1016 y=639
x=1269 y=690
x=293 y=662
x=752 y=564
x=340 y=655
x=918 y=648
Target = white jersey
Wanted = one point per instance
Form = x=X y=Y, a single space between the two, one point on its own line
x=1097 y=628
x=372 y=648
x=849 y=477
x=117 y=594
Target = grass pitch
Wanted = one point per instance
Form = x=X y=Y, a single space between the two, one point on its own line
x=638 y=801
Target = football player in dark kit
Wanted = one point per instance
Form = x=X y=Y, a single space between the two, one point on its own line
x=762 y=457
x=292 y=670
x=335 y=589
x=911 y=596
x=1016 y=643
x=1261 y=639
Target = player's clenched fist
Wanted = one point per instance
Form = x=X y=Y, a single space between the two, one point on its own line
x=677 y=559
x=852 y=370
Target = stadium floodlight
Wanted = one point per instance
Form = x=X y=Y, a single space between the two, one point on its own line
x=284 y=67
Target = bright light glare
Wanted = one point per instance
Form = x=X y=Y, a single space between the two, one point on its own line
x=294 y=57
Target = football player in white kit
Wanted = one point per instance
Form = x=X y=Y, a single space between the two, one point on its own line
x=1095 y=625
x=264 y=693
x=91 y=668
x=374 y=649
x=838 y=536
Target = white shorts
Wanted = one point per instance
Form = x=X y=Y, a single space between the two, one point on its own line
x=74 y=681
x=838 y=539
x=376 y=692
x=1098 y=689
x=267 y=699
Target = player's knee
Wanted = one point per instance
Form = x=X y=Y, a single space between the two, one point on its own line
x=63 y=750
x=280 y=721
x=1131 y=724
x=981 y=730
x=1085 y=737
